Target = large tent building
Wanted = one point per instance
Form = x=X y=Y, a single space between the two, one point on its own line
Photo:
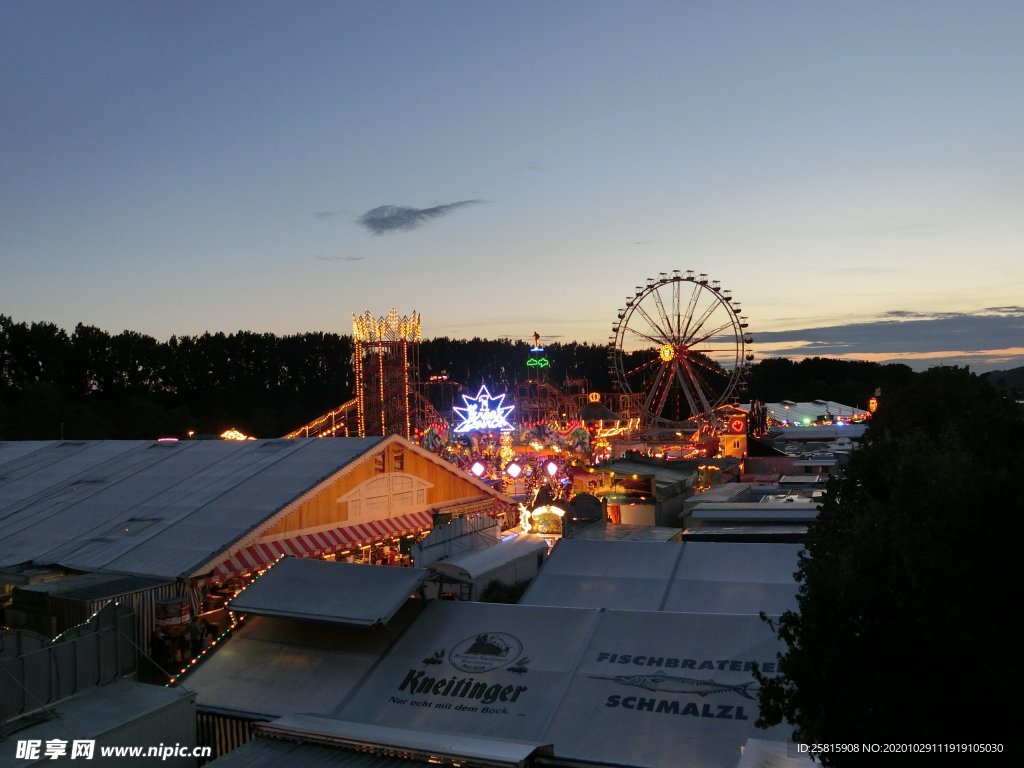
x=198 y=513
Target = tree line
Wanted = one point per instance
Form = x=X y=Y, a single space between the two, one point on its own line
x=91 y=384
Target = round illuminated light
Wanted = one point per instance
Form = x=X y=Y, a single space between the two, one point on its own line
x=667 y=352
x=594 y=397
x=477 y=469
x=513 y=470
x=552 y=468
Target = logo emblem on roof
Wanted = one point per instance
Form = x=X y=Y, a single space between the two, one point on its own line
x=485 y=652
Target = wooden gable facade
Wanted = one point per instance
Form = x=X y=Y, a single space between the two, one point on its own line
x=393 y=489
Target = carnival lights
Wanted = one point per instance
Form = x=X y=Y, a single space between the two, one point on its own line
x=235 y=622
x=386 y=400
x=480 y=414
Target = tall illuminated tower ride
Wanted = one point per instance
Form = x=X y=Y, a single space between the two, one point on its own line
x=387 y=365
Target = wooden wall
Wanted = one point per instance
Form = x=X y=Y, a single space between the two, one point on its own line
x=442 y=485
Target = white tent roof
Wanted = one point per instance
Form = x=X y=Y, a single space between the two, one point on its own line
x=271 y=667
x=665 y=689
x=476 y=749
x=734 y=577
x=151 y=508
x=469 y=566
x=338 y=593
x=581 y=573
x=614 y=687
x=703 y=577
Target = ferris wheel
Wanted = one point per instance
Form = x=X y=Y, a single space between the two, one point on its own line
x=681 y=346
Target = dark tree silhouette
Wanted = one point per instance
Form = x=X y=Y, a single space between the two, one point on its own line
x=908 y=581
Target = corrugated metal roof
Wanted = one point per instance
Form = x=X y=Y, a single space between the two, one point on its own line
x=95 y=586
x=148 y=508
x=338 y=593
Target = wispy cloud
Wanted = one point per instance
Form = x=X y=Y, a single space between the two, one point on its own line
x=399 y=218
x=340 y=258
x=328 y=214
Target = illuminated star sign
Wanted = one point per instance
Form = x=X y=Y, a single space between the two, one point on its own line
x=483 y=412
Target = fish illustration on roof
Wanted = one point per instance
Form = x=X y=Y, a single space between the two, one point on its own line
x=673 y=684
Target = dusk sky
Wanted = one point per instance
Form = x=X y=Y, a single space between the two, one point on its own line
x=853 y=172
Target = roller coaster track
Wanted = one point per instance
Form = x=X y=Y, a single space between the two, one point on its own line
x=341 y=422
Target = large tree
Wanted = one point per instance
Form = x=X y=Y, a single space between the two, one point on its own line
x=910 y=581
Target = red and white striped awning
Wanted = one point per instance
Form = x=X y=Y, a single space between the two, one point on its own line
x=264 y=553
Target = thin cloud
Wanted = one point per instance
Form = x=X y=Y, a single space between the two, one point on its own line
x=862 y=270
x=328 y=214
x=340 y=258
x=385 y=219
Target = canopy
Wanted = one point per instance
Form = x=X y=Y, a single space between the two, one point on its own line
x=337 y=593
x=314 y=544
x=469 y=566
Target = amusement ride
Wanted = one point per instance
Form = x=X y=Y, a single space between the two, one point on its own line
x=681 y=344
x=678 y=354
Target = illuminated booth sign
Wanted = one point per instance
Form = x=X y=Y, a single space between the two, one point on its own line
x=543 y=521
x=483 y=412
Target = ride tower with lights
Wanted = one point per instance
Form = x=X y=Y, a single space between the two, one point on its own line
x=536 y=398
x=386 y=362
